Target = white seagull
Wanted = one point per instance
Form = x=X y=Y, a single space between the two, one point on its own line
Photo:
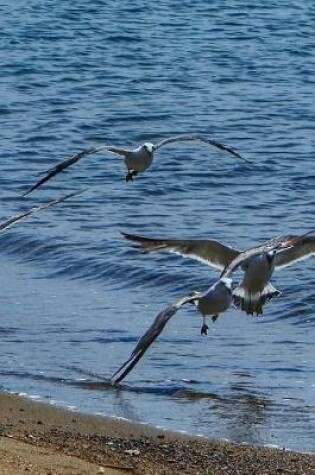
x=217 y=299
x=19 y=217
x=255 y=288
x=137 y=160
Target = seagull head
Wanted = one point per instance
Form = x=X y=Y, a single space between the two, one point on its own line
x=149 y=147
x=193 y=294
x=270 y=255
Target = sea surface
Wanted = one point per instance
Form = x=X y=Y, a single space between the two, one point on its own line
x=75 y=296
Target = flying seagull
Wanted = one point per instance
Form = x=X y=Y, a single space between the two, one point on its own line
x=255 y=288
x=217 y=299
x=137 y=160
x=19 y=217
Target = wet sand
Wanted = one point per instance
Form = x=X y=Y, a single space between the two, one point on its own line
x=38 y=439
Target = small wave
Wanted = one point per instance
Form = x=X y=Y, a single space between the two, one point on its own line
x=8 y=330
x=62 y=260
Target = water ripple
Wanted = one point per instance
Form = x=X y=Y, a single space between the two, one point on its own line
x=74 y=292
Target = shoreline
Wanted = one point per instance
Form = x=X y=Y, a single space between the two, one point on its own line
x=35 y=434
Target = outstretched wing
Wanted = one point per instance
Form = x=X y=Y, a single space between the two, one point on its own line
x=15 y=219
x=279 y=243
x=148 y=338
x=60 y=167
x=207 y=251
x=303 y=250
x=198 y=138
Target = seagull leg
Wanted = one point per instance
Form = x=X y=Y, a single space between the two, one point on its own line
x=204 y=328
x=130 y=175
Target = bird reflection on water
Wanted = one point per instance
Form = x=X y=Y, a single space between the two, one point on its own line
x=244 y=416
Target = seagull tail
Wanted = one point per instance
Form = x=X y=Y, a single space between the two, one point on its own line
x=254 y=303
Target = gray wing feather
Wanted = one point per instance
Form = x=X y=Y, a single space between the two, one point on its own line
x=300 y=252
x=207 y=251
x=15 y=219
x=279 y=243
x=71 y=161
x=198 y=138
x=148 y=338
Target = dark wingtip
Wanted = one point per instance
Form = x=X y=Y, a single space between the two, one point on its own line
x=34 y=187
x=246 y=159
x=27 y=192
x=127 y=236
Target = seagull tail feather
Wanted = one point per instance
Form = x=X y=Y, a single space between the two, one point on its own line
x=254 y=303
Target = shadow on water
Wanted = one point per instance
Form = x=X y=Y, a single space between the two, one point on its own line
x=95 y=382
x=244 y=414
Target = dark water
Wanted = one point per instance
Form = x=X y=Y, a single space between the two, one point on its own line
x=74 y=296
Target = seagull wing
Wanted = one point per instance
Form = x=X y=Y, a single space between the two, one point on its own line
x=148 y=338
x=198 y=138
x=73 y=159
x=303 y=250
x=15 y=219
x=207 y=251
x=279 y=243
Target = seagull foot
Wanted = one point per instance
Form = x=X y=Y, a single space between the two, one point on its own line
x=215 y=317
x=130 y=175
x=204 y=329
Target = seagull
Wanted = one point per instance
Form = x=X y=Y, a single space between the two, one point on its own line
x=19 y=217
x=137 y=160
x=217 y=299
x=255 y=288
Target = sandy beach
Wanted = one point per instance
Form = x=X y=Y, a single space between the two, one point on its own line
x=36 y=438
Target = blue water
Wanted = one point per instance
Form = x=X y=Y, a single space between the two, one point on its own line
x=75 y=296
